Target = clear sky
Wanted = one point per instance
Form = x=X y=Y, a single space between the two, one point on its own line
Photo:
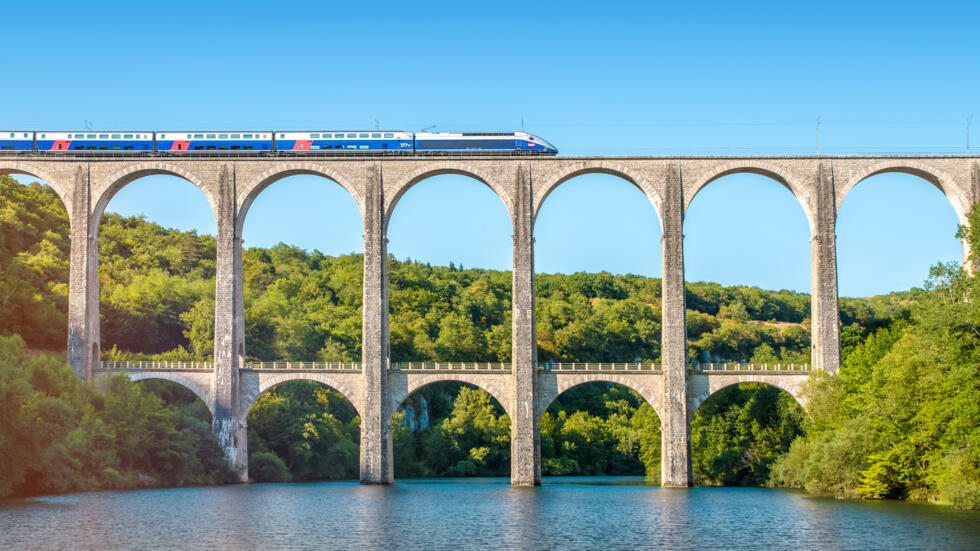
x=592 y=78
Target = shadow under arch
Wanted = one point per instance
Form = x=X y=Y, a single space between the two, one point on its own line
x=795 y=391
x=774 y=173
x=201 y=392
x=130 y=174
x=431 y=170
x=942 y=181
x=399 y=396
x=280 y=172
x=325 y=379
x=170 y=391
x=649 y=395
x=642 y=185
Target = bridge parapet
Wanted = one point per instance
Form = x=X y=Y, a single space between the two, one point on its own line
x=599 y=366
x=304 y=366
x=735 y=366
x=141 y=364
x=450 y=366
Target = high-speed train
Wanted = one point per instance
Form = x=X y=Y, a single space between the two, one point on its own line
x=346 y=141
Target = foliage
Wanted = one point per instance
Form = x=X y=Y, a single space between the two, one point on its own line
x=903 y=418
x=740 y=431
x=312 y=430
x=60 y=434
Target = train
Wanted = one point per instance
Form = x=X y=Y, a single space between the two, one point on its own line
x=326 y=141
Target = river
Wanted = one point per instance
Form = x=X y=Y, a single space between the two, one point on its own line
x=565 y=513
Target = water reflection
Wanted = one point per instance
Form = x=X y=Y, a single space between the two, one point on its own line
x=565 y=513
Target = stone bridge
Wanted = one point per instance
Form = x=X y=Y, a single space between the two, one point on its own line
x=231 y=184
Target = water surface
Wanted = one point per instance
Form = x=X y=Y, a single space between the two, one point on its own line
x=565 y=513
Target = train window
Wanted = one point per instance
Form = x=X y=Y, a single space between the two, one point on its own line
x=362 y=147
x=247 y=136
x=236 y=147
x=236 y=136
x=163 y=136
x=116 y=136
x=222 y=147
x=128 y=136
x=375 y=135
x=43 y=136
x=389 y=135
x=352 y=135
x=282 y=135
x=128 y=147
x=91 y=147
x=364 y=135
x=314 y=135
x=198 y=136
x=247 y=147
x=90 y=136
x=79 y=147
x=103 y=148
x=198 y=147
x=211 y=136
x=222 y=136
x=11 y=134
x=210 y=147
x=103 y=136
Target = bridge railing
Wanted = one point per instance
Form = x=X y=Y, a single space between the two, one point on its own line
x=304 y=366
x=598 y=366
x=468 y=366
x=734 y=366
x=153 y=364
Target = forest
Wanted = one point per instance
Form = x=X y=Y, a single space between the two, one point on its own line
x=901 y=420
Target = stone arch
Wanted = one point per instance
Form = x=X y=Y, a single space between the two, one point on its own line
x=202 y=393
x=130 y=173
x=762 y=168
x=601 y=167
x=429 y=170
x=285 y=170
x=651 y=394
x=61 y=188
x=495 y=390
x=794 y=388
x=326 y=379
x=943 y=182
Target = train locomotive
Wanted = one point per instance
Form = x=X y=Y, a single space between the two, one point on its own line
x=285 y=142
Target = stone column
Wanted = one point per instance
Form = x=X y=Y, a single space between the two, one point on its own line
x=525 y=437
x=229 y=422
x=675 y=466
x=972 y=264
x=376 y=445
x=83 y=281
x=824 y=313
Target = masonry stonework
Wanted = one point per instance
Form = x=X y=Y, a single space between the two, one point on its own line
x=231 y=184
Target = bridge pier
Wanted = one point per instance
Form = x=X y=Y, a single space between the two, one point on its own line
x=228 y=422
x=675 y=464
x=83 y=281
x=525 y=438
x=824 y=312
x=376 y=445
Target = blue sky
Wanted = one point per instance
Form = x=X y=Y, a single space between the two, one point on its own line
x=615 y=78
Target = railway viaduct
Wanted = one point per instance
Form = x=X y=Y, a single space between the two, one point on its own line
x=376 y=386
